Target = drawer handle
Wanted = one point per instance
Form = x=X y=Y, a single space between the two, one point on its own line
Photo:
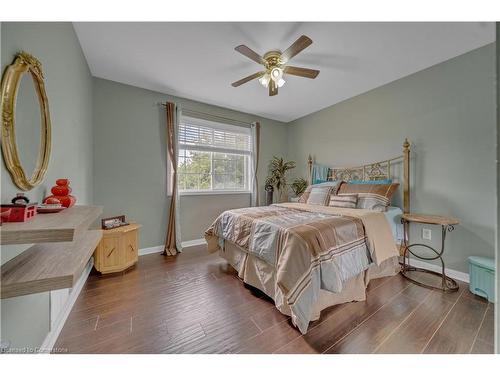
x=111 y=252
x=131 y=247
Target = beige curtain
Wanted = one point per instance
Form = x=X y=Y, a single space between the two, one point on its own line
x=173 y=239
x=255 y=130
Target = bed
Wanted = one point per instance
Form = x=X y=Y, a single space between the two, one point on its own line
x=319 y=252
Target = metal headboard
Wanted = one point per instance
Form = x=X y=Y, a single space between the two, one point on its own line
x=379 y=170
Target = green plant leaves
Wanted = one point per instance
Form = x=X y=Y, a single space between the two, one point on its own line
x=278 y=169
x=299 y=185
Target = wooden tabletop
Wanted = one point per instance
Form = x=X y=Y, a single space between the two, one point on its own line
x=55 y=227
x=430 y=219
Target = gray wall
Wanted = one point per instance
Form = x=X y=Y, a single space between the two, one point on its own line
x=448 y=113
x=130 y=161
x=25 y=320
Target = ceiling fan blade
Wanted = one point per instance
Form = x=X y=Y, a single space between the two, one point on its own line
x=246 y=79
x=297 y=46
x=301 y=72
x=273 y=88
x=251 y=54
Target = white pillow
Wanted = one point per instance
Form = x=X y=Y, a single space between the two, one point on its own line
x=320 y=195
x=333 y=184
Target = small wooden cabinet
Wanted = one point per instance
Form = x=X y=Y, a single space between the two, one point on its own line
x=118 y=249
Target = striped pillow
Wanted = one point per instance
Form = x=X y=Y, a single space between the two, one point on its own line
x=373 y=202
x=344 y=200
x=319 y=195
x=371 y=196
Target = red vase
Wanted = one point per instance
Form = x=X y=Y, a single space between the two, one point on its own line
x=62 y=182
x=61 y=191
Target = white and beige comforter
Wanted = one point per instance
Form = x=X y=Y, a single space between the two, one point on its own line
x=310 y=247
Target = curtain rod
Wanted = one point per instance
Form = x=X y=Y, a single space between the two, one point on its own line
x=195 y=112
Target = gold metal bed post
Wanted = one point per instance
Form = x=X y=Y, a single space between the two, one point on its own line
x=309 y=169
x=373 y=171
x=406 y=176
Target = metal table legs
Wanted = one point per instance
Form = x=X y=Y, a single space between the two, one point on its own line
x=448 y=285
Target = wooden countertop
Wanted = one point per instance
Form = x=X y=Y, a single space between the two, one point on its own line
x=56 y=227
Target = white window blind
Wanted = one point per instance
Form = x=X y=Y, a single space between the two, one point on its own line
x=213 y=156
x=207 y=136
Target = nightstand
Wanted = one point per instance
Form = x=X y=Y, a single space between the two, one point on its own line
x=448 y=285
x=118 y=249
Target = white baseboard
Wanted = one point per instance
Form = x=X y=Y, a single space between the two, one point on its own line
x=56 y=328
x=151 y=250
x=197 y=242
x=185 y=245
x=462 y=276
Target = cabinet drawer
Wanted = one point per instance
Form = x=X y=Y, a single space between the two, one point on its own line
x=111 y=252
x=130 y=246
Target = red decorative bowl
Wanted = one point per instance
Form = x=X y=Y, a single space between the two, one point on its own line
x=49 y=210
x=51 y=200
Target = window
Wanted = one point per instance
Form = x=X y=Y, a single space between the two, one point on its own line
x=213 y=157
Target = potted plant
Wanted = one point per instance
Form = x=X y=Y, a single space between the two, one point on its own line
x=298 y=186
x=269 y=193
x=278 y=168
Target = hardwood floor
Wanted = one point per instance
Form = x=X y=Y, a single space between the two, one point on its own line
x=195 y=303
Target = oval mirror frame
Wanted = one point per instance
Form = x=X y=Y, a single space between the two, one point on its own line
x=24 y=63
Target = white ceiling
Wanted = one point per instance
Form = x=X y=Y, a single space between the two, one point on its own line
x=198 y=61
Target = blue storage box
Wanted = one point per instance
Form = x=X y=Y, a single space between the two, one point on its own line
x=482 y=277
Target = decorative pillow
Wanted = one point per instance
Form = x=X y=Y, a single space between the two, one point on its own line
x=344 y=200
x=319 y=195
x=370 y=196
x=373 y=202
x=333 y=184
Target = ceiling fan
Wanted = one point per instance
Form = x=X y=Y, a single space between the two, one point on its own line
x=275 y=65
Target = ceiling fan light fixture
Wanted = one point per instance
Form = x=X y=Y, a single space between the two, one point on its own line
x=274 y=63
x=276 y=74
x=264 y=80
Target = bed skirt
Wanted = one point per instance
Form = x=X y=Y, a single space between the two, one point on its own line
x=261 y=275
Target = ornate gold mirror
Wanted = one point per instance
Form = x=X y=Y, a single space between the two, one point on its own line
x=26 y=136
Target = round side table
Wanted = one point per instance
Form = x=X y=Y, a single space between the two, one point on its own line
x=447 y=224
